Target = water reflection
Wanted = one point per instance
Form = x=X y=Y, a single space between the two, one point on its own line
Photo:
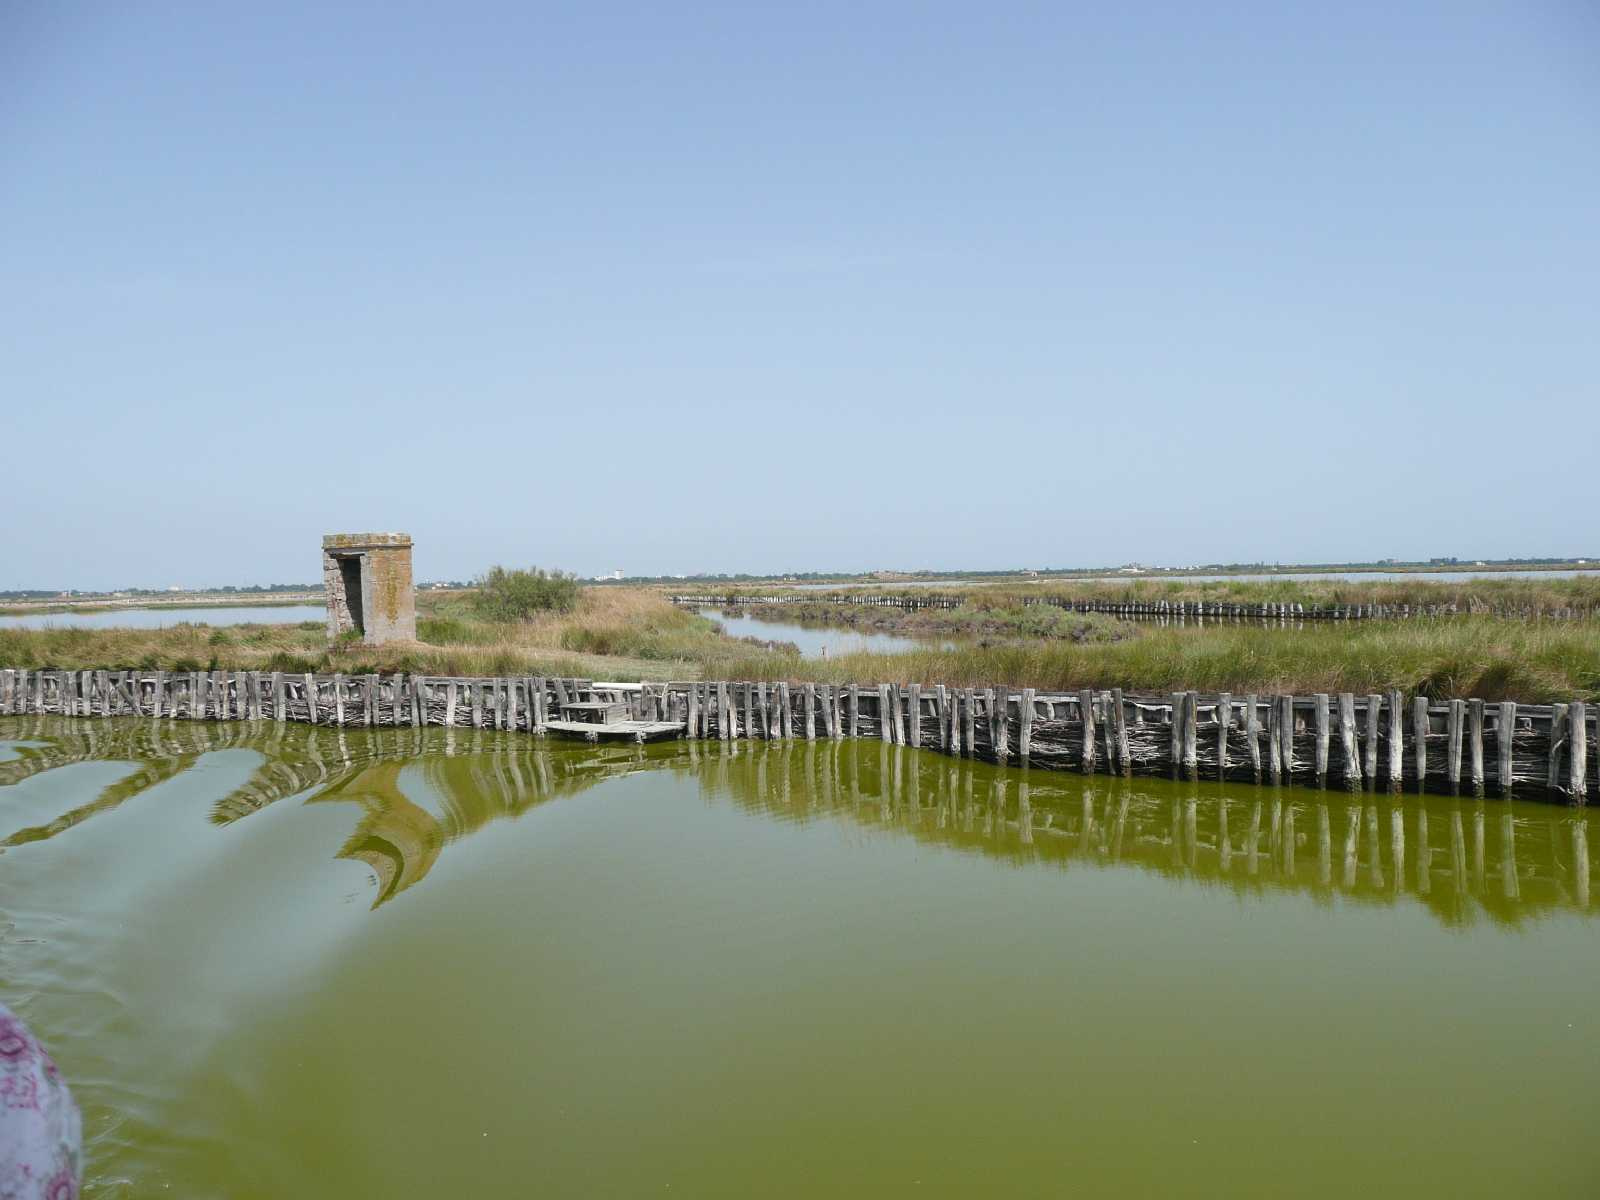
x=414 y=792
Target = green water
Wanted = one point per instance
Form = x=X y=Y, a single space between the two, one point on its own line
x=301 y=962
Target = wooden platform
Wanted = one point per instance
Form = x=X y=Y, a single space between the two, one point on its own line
x=616 y=731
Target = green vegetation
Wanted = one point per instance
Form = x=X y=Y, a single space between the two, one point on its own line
x=1530 y=597
x=630 y=633
x=518 y=595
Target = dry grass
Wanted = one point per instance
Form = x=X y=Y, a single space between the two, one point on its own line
x=625 y=634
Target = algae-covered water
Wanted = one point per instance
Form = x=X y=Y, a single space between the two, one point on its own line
x=281 y=961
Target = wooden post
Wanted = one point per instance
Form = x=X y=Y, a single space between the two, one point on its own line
x=885 y=722
x=1086 y=712
x=1374 y=718
x=1457 y=728
x=785 y=728
x=160 y=692
x=1252 y=733
x=1224 y=725
x=1191 y=734
x=855 y=712
x=369 y=701
x=1558 y=742
x=1347 y=738
x=941 y=701
x=1578 y=755
x=1475 y=741
x=898 y=713
x=914 y=713
x=1397 y=755
x=1274 y=741
x=969 y=720
x=1505 y=744
x=1286 y=732
x=1320 y=700
x=311 y=698
x=1001 y=723
x=1025 y=726
x=1419 y=734
x=763 y=713
x=1175 y=732
x=1120 y=717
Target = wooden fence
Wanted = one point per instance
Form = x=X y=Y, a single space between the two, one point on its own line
x=1169 y=611
x=1390 y=741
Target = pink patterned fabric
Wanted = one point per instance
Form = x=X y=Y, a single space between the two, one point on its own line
x=41 y=1136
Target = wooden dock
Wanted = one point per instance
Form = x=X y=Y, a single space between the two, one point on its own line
x=1387 y=741
x=615 y=731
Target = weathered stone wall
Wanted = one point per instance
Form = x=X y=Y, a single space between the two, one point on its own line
x=386 y=605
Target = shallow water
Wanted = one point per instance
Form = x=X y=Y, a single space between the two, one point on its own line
x=813 y=641
x=162 y=618
x=286 y=961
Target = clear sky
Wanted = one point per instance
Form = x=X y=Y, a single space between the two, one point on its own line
x=722 y=287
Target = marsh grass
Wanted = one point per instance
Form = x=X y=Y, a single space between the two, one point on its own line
x=627 y=634
x=1534 y=597
x=1485 y=657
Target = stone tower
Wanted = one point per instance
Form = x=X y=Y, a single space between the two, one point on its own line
x=367 y=577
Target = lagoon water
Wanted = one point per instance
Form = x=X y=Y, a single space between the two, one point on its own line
x=162 y=618
x=287 y=961
x=814 y=642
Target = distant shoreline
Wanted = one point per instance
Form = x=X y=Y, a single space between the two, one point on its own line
x=187 y=600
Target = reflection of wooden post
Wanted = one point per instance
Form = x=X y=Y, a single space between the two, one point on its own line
x=1477 y=849
x=1324 y=845
x=1024 y=814
x=1424 y=853
x=1352 y=843
x=1375 y=851
x=1118 y=827
x=1580 y=861
x=1191 y=832
x=1288 y=840
x=1397 y=844
x=1224 y=846
x=1509 y=885
x=1252 y=840
x=1458 y=852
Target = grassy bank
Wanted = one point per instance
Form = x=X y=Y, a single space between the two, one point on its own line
x=1533 y=597
x=1486 y=657
x=627 y=634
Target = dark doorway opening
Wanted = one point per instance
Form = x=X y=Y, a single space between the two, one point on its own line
x=350 y=575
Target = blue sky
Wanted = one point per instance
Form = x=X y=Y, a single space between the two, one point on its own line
x=677 y=288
